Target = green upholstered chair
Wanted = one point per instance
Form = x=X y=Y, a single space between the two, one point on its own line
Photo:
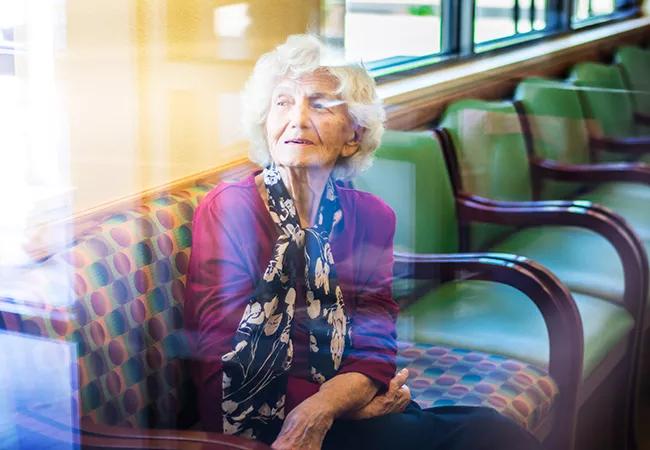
x=560 y=153
x=491 y=133
x=584 y=259
x=635 y=64
x=606 y=100
x=117 y=292
x=475 y=319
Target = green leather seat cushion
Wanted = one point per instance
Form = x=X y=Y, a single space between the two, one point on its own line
x=637 y=191
x=630 y=200
x=496 y=318
x=584 y=261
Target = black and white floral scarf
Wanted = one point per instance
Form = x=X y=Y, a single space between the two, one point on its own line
x=255 y=372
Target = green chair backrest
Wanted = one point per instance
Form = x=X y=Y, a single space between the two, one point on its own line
x=635 y=63
x=409 y=174
x=611 y=107
x=557 y=126
x=492 y=158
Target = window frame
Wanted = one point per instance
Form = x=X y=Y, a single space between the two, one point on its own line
x=623 y=9
x=457 y=36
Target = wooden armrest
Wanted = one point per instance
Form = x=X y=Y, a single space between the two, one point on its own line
x=553 y=300
x=592 y=173
x=180 y=438
x=641 y=118
x=632 y=145
x=115 y=437
x=569 y=213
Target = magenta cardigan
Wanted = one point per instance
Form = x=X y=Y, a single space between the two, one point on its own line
x=232 y=241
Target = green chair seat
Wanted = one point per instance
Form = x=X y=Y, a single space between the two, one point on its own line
x=443 y=376
x=582 y=260
x=630 y=200
x=496 y=318
x=637 y=191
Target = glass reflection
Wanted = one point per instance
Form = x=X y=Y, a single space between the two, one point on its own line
x=37 y=381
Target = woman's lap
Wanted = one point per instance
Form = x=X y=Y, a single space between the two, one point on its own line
x=448 y=428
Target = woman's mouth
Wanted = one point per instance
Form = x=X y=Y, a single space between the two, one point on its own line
x=299 y=141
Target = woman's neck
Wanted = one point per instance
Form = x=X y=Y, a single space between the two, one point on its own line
x=306 y=186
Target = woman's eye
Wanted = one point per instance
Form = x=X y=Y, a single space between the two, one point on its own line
x=281 y=103
x=319 y=105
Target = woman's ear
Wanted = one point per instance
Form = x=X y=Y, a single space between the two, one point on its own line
x=352 y=146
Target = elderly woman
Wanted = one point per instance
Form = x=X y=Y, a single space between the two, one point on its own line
x=289 y=285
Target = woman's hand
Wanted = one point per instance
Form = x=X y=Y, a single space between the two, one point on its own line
x=306 y=425
x=394 y=400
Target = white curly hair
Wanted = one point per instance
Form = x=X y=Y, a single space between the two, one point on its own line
x=302 y=54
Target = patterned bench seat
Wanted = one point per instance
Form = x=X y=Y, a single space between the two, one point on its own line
x=443 y=376
x=117 y=292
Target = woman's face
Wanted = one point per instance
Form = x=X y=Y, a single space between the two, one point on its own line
x=308 y=125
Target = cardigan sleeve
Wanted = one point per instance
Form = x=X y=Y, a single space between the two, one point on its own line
x=217 y=290
x=374 y=345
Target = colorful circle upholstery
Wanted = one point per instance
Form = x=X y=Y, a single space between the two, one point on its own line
x=119 y=290
x=441 y=376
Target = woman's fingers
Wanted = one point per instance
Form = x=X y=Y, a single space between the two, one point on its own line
x=405 y=391
x=395 y=399
x=305 y=426
x=399 y=379
x=403 y=398
x=406 y=396
x=398 y=394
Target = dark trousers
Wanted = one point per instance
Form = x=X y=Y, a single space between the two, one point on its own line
x=442 y=428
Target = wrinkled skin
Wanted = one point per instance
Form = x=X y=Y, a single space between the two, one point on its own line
x=306 y=426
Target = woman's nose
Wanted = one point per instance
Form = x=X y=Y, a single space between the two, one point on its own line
x=300 y=115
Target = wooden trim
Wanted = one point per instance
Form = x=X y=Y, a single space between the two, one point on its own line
x=632 y=145
x=419 y=100
x=231 y=169
x=591 y=173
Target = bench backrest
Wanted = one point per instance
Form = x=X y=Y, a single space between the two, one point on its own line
x=117 y=292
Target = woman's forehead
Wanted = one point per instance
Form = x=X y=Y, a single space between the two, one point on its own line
x=319 y=82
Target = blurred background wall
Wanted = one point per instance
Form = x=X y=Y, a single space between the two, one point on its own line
x=110 y=98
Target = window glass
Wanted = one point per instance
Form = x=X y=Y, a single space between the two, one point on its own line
x=372 y=30
x=393 y=36
x=494 y=19
x=532 y=16
x=33 y=156
x=586 y=9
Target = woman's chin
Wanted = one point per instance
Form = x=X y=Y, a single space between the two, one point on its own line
x=304 y=163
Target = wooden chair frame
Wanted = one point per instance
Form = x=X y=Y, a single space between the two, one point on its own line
x=473 y=208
